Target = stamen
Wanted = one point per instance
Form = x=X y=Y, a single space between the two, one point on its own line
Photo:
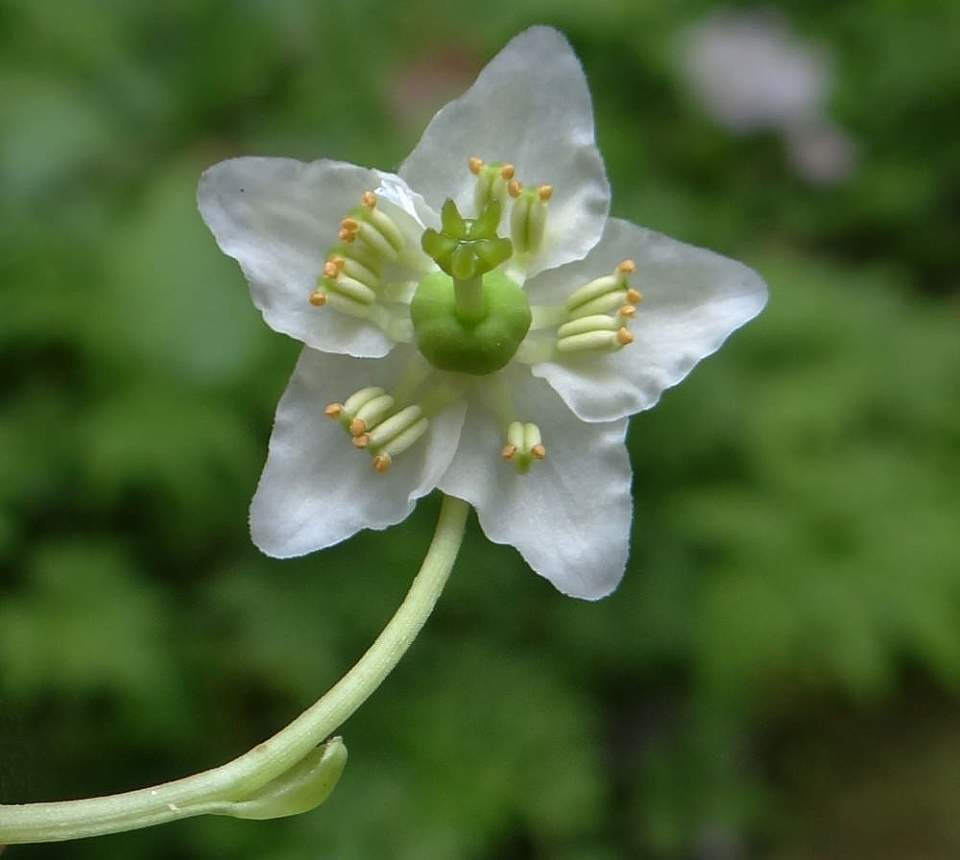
x=356 y=401
x=364 y=416
x=491 y=184
x=394 y=425
x=405 y=439
x=528 y=218
x=634 y=296
x=591 y=340
x=318 y=298
x=376 y=240
x=514 y=188
x=581 y=325
x=351 y=289
x=371 y=413
x=368 y=199
x=627 y=267
x=627 y=311
x=353 y=268
x=349 y=306
x=524 y=445
x=624 y=337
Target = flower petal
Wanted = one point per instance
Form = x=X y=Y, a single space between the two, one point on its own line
x=570 y=515
x=317 y=489
x=530 y=107
x=693 y=300
x=279 y=218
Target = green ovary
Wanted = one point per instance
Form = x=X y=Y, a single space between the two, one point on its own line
x=450 y=340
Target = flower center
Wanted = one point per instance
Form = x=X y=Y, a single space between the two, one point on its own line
x=469 y=317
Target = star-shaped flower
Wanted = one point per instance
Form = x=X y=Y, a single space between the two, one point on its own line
x=496 y=356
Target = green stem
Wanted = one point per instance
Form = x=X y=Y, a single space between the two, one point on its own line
x=235 y=783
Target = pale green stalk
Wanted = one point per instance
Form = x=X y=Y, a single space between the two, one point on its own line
x=291 y=772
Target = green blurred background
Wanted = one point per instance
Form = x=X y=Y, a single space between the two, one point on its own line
x=778 y=676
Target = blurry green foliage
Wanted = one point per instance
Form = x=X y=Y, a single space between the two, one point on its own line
x=796 y=567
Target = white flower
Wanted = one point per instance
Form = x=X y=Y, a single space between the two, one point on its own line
x=532 y=435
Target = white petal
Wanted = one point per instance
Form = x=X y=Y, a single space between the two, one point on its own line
x=279 y=218
x=693 y=300
x=570 y=515
x=317 y=489
x=530 y=107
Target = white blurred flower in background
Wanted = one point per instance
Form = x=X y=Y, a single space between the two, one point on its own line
x=750 y=72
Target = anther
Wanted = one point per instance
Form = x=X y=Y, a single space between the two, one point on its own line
x=358 y=427
x=634 y=296
x=544 y=192
x=350 y=224
x=507 y=171
x=624 y=337
x=344 y=235
x=538 y=452
x=382 y=462
x=514 y=188
x=368 y=199
x=627 y=311
x=627 y=267
x=475 y=164
x=361 y=441
x=509 y=451
x=318 y=298
x=333 y=410
x=331 y=269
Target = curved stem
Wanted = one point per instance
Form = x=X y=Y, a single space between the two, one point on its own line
x=231 y=784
